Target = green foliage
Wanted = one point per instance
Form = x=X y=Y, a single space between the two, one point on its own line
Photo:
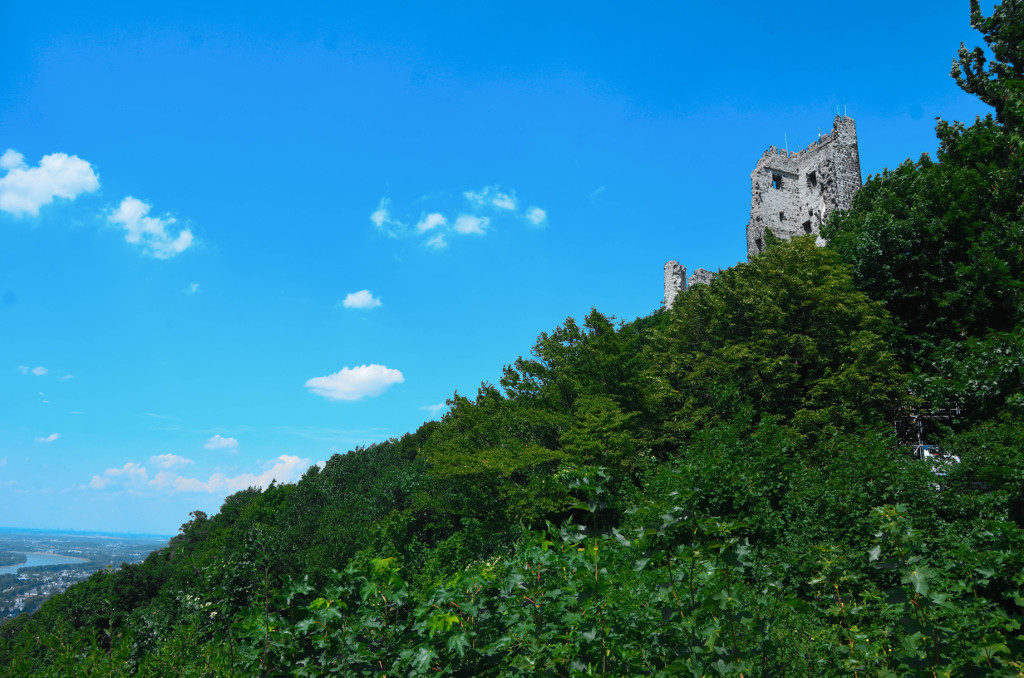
x=941 y=243
x=786 y=335
x=715 y=490
x=999 y=82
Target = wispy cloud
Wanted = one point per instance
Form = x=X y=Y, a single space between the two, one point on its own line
x=335 y=436
x=192 y=289
x=355 y=383
x=131 y=475
x=135 y=478
x=431 y=221
x=467 y=223
x=285 y=469
x=67 y=376
x=536 y=216
x=492 y=196
x=362 y=299
x=486 y=204
x=39 y=370
x=152 y=233
x=169 y=461
x=24 y=189
x=434 y=410
x=219 y=442
x=45 y=440
x=382 y=219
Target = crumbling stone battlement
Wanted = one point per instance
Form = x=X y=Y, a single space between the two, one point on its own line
x=701 y=276
x=675 y=280
x=792 y=193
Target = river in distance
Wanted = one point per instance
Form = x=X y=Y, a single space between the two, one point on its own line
x=37 y=559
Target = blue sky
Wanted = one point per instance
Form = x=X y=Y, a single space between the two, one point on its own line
x=190 y=193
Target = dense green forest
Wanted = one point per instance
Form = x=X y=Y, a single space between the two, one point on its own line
x=727 y=488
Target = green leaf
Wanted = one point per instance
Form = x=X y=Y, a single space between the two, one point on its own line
x=458 y=644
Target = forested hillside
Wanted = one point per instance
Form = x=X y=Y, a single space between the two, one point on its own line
x=727 y=488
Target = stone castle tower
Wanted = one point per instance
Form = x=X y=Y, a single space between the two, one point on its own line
x=675 y=280
x=792 y=193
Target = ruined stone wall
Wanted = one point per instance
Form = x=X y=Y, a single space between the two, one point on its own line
x=675 y=281
x=701 y=276
x=792 y=193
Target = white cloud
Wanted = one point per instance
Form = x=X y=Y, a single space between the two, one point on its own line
x=3 y=461
x=135 y=478
x=131 y=475
x=100 y=482
x=48 y=439
x=431 y=221
x=355 y=383
x=467 y=223
x=381 y=218
x=24 y=189
x=536 y=216
x=11 y=159
x=285 y=469
x=169 y=461
x=360 y=299
x=380 y=215
x=219 y=442
x=38 y=370
x=434 y=409
x=67 y=376
x=504 y=201
x=487 y=204
x=493 y=197
x=192 y=289
x=150 y=232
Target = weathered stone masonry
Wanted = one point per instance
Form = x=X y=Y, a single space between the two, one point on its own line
x=790 y=195
x=675 y=281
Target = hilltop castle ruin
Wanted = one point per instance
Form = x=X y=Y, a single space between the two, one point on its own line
x=791 y=194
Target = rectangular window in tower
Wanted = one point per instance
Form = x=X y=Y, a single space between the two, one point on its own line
x=782 y=216
x=807 y=227
x=776 y=181
x=812 y=179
